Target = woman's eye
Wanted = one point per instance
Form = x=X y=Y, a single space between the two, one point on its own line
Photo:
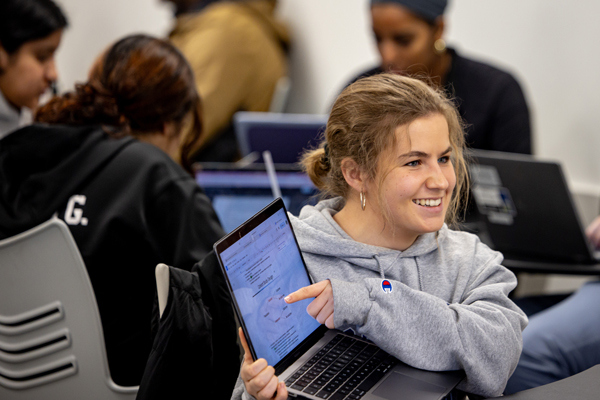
x=42 y=57
x=403 y=40
x=414 y=163
x=444 y=159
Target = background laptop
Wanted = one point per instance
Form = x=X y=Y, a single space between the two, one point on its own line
x=527 y=208
x=237 y=193
x=286 y=136
x=263 y=263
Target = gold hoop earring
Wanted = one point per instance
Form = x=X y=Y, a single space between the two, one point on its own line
x=363 y=200
x=439 y=46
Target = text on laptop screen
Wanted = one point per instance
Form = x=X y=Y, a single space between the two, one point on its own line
x=263 y=267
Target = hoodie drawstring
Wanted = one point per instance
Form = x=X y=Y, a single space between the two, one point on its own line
x=419 y=274
x=376 y=257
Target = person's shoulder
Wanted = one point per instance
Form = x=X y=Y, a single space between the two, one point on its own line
x=465 y=243
x=365 y=74
x=457 y=236
x=231 y=16
x=144 y=159
x=479 y=72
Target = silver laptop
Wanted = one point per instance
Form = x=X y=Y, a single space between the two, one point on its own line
x=262 y=264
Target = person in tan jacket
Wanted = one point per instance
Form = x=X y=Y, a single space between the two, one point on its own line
x=237 y=50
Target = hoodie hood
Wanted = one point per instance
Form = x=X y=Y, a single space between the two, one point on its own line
x=42 y=165
x=319 y=234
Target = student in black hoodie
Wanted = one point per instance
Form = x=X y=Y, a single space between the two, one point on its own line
x=99 y=162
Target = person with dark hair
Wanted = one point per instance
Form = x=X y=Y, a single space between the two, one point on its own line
x=237 y=50
x=99 y=162
x=409 y=36
x=30 y=33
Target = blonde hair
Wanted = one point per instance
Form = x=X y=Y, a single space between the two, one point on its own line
x=362 y=124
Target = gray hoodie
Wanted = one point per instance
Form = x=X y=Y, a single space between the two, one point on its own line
x=448 y=307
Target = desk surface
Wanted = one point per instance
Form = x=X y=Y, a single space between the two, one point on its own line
x=545 y=267
x=583 y=386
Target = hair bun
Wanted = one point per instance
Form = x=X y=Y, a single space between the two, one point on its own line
x=325 y=161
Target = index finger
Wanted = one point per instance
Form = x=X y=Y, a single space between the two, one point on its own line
x=247 y=355
x=307 y=292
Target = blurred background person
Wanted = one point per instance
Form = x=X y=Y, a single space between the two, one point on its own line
x=409 y=35
x=30 y=33
x=237 y=50
x=128 y=205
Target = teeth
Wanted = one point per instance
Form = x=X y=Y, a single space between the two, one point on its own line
x=428 y=202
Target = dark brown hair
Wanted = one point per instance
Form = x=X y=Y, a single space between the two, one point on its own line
x=139 y=84
x=362 y=125
x=22 y=21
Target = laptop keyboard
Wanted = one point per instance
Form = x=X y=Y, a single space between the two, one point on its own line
x=345 y=368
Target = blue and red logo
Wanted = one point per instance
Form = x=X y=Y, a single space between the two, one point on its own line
x=386 y=286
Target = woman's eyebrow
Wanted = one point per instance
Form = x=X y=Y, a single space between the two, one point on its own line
x=422 y=154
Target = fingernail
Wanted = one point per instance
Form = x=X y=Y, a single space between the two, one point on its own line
x=287 y=299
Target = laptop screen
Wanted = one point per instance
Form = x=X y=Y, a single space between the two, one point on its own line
x=263 y=266
x=237 y=195
x=286 y=136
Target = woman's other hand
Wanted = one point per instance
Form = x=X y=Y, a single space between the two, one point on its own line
x=321 y=308
x=259 y=377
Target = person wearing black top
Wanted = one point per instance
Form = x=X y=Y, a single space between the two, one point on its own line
x=490 y=101
x=99 y=162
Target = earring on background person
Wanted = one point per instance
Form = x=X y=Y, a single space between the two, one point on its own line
x=439 y=46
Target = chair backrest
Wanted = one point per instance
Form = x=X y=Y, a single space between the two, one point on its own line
x=51 y=341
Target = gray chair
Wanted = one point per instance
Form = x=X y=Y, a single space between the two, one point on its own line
x=51 y=340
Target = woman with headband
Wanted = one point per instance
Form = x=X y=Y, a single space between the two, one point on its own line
x=409 y=35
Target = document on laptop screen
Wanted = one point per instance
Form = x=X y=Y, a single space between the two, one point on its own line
x=263 y=267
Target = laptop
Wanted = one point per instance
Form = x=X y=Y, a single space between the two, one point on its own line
x=528 y=210
x=237 y=193
x=286 y=136
x=262 y=263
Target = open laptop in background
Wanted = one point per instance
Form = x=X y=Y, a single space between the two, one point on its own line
x=237 y=193
x=286 y=136
x=528 y=209
x=262 y=264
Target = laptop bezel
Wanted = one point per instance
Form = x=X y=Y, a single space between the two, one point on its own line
x=236 y=235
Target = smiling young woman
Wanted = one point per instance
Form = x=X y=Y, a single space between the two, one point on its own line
x=392 y=162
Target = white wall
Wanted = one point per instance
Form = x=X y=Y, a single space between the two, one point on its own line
x=550 y=45
x=94 y=25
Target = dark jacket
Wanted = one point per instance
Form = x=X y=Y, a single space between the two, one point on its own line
x=128 y=206
x=195 y=353
x=490 y=101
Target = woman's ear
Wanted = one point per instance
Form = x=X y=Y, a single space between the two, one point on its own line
x=438 y=28
x=353 y=174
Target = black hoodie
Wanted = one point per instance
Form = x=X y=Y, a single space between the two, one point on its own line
x=128 y=206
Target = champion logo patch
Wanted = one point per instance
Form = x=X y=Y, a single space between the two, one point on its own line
x=386 y=286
